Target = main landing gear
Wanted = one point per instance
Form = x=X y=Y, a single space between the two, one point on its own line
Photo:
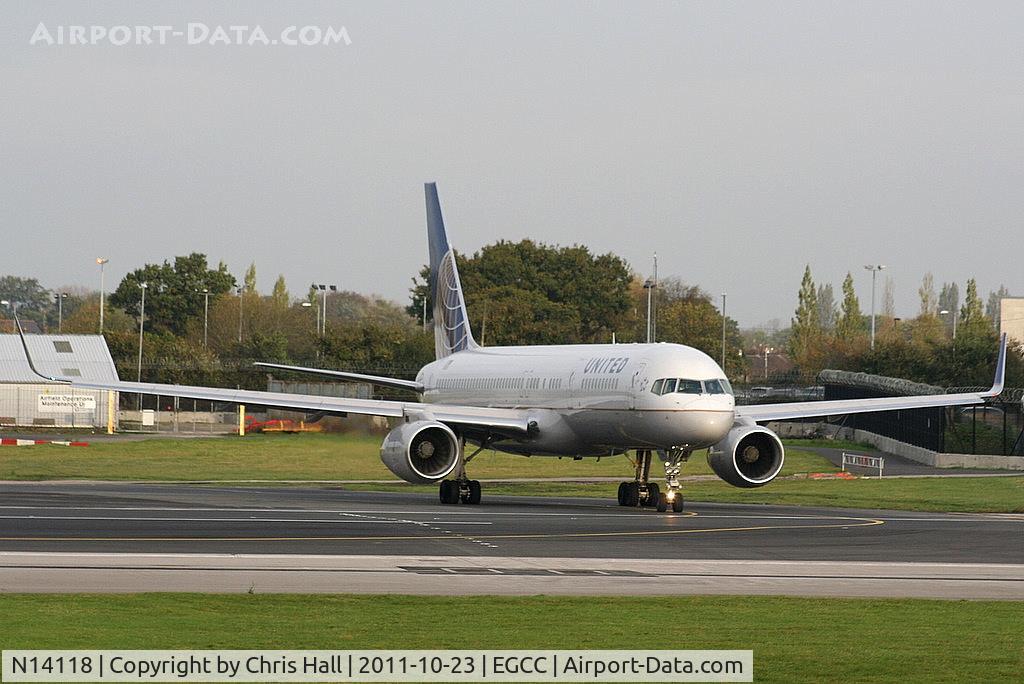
x=641 y=492
x=453 y=491
x=462 y=489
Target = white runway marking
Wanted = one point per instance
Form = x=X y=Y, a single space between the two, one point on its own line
x=628 y=514
x=332 y=521
x=133 y=572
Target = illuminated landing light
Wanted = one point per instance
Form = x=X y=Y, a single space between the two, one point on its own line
x=670 y=496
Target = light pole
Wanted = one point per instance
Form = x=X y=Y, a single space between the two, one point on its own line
x=60 y=297
x=323 y=318
x=206 y=313
x=239 y=292
x=424 y=313
x=874 y=272
x=649 y=286
x=767 y=351
x=142 y=322
x=102 y=262
x=723 y=331
x=654 y=307
x=945 y=312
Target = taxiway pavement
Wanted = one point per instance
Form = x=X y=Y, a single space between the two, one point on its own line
x=139 y=537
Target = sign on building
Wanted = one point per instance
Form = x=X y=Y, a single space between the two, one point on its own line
x=66 y=403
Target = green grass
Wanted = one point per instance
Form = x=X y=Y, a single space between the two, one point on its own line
x=793 y=639
x=337 y=457
x=296 y=457
x=960 y=494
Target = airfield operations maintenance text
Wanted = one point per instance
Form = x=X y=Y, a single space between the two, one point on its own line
x=376 y=666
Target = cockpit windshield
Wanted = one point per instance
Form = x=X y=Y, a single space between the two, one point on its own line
x=686 y=386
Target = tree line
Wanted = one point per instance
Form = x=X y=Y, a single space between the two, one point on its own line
x=948 y=343
x=204 y=327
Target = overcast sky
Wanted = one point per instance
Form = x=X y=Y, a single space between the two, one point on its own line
x=740 y=141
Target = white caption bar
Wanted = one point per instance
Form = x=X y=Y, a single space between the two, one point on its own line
x=377 y=666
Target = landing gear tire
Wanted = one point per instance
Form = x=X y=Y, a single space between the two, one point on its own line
x=449 y=492
x=623 y=486
x=677 y=503
x=472 y=494
x=653 y=494
x=632 y=494
x=662 y=502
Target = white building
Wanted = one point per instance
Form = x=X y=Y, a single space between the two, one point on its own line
x=28 y=400
x=1011 y=317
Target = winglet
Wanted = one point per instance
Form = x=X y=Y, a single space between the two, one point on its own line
x=997 y=383
x=28 y=357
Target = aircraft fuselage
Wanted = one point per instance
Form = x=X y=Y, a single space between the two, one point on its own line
x=591 y=400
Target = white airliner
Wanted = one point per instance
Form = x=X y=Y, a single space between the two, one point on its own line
x=564 y=400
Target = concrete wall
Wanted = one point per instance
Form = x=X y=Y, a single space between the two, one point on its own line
x=891 y=446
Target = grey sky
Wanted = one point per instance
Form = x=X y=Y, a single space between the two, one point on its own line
x=739 y=141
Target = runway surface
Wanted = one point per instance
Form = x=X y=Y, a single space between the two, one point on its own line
x=131 y=537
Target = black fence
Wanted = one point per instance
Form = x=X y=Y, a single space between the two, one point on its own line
x=921 y=427
x=997 y=427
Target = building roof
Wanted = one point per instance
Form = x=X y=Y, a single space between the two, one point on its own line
x=82 y=356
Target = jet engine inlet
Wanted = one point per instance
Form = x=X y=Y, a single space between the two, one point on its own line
x=749 y=456
x=421 y=452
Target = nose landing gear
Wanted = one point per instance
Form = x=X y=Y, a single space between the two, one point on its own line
x=673 y=460
x=640 y=492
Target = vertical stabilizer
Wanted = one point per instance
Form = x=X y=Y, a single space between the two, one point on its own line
x=451 y=323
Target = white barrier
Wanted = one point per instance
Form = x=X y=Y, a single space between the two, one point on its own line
x=863 y=462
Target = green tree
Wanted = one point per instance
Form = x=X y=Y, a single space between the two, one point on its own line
x=826 y=307
x=929 y=301
x=249 y=281
x=30 y=298
x=972 y=314
x=173 y=292
x=993 y=308
x=850 y=325
x=280 y=294
x=805 y=342
x=593 y=288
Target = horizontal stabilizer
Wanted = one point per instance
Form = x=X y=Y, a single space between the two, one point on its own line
x=351 y=377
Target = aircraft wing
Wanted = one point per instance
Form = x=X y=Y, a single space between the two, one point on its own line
x=510 y=420
x=513 y=420
x=343 y=375
x=810 y=409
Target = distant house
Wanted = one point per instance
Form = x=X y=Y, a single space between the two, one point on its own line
x=779 y=364
x=28 y=400
x=7 y=325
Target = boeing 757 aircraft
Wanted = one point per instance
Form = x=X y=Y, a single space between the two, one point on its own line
x=578 y=400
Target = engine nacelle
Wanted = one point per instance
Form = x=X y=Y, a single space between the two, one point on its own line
x=749 y=456
x=421 y=452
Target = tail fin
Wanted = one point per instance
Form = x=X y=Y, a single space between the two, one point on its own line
x=451 y=323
